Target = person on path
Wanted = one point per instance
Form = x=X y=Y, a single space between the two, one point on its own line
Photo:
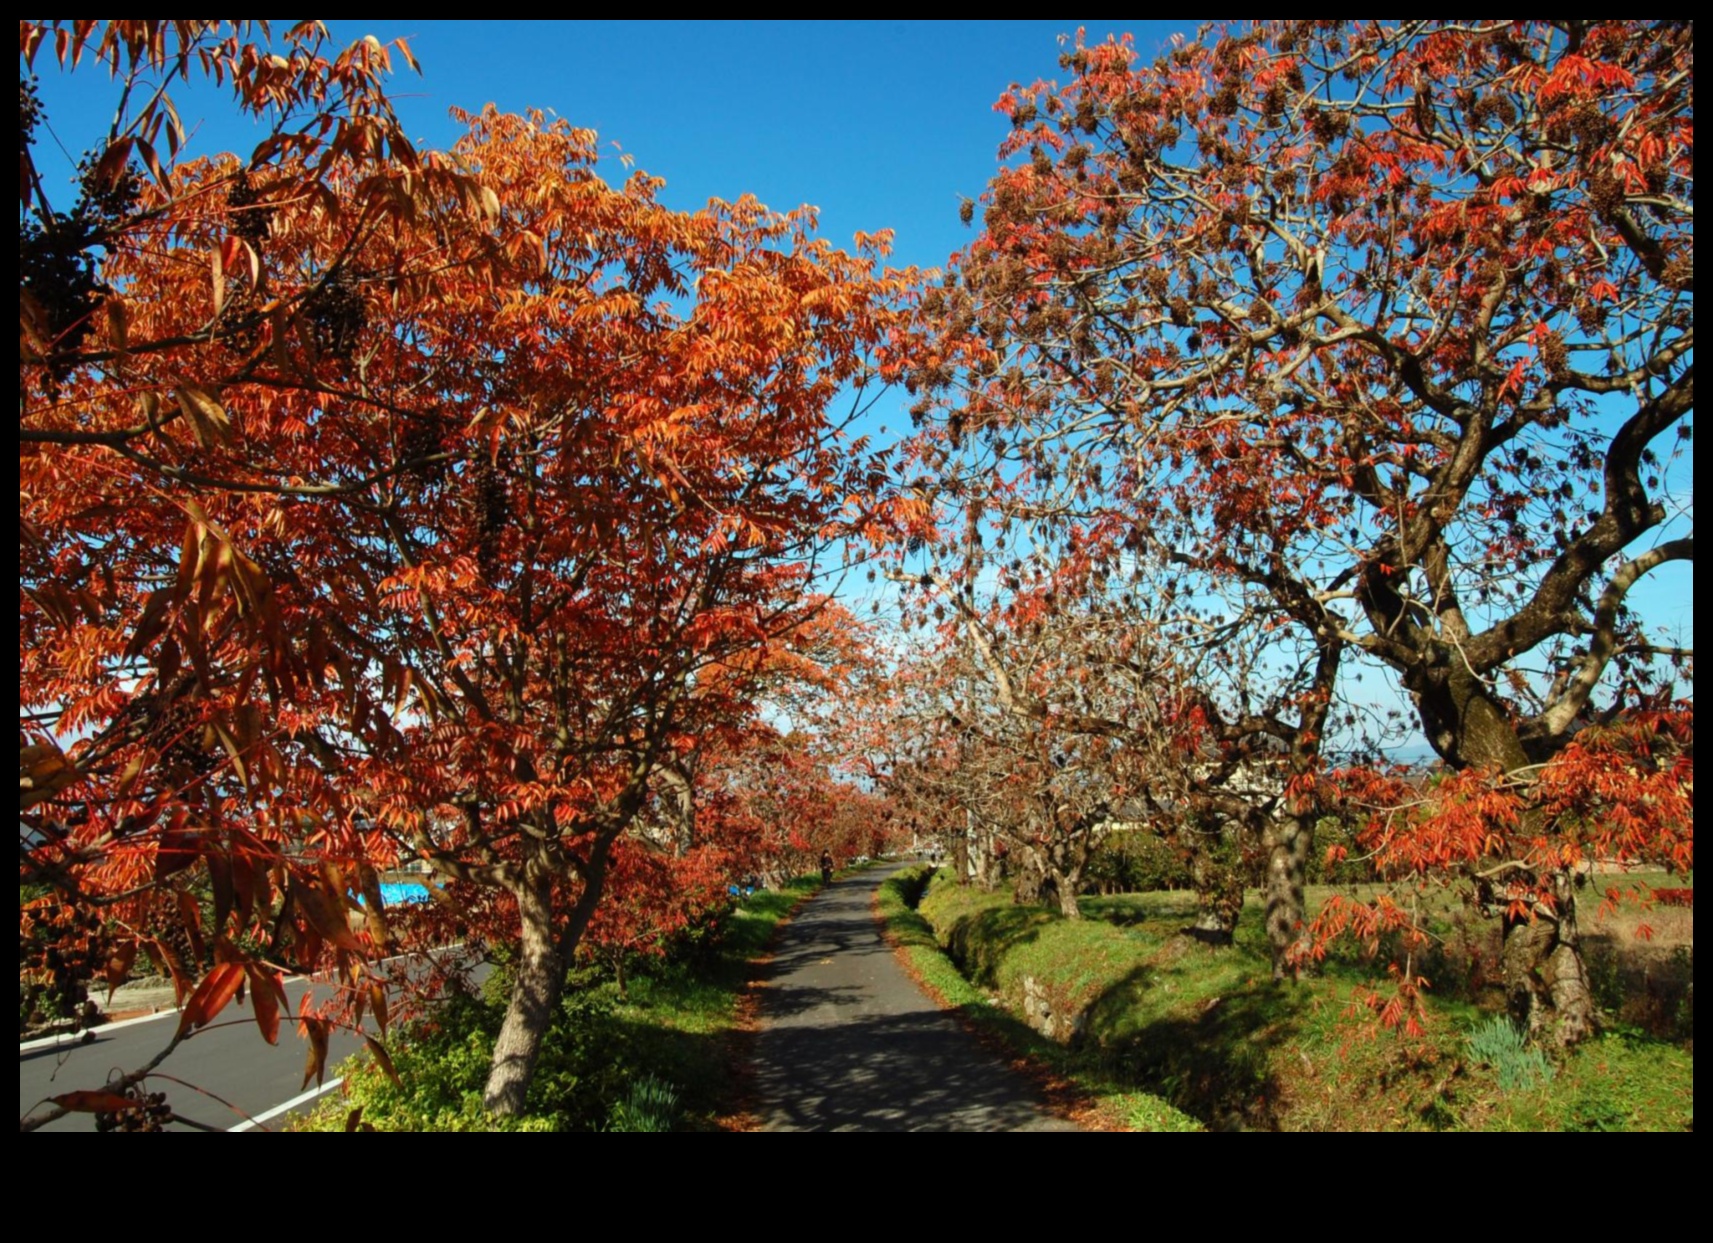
x=826 y=867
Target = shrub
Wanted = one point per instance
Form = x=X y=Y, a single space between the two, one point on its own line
x=1136 y=861
x=650 y=1105
x=1499 y=1043
x=443 y=1063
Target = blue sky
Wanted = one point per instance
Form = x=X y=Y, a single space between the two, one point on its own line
x=880 y=125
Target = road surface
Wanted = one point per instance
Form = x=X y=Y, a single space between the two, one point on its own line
x=848 y=1042
x=228 y=1061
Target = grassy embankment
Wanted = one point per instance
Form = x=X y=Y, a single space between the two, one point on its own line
x=1115 y=1101
x=1141 y=1010
x=662 y=1056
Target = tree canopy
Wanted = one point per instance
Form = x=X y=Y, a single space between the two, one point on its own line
x=472 y=507
x=1371 y=336
x=382 y=505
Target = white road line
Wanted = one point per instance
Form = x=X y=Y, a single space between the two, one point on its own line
x=250 y=1124
x=73 y=1039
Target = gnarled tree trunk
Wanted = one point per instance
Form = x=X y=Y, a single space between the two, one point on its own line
x=1567 y=972
x=1029 y=875
x=1546 y=980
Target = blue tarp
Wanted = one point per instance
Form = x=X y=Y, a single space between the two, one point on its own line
x=397 y=893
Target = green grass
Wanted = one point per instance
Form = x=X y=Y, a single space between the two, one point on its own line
x=1156 y=1012
x=1621 y=1082
x=608 y=1060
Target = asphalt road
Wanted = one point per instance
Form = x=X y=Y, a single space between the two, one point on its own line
x=228 y=1073
x=847 y=1042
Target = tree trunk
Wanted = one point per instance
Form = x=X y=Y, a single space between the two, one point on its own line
x=1567 y=974
x=539 y=981
x=1462 y=720
x=1289 y=840
x=1071 y=865
x=683 y=808
x=1065 y=890
x=1526 y=945
x=1029 y=888
x=1546 y=981
x=984 y=870
x=960 y=856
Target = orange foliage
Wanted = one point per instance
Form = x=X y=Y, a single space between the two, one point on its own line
x=382 y=504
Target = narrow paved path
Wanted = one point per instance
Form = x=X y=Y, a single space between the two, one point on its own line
x=849 y=1043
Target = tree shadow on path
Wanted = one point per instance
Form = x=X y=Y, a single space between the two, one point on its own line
x=849 y=1042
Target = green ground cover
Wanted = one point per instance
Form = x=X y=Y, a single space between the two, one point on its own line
x=1136 y=1006
x=659 y=1056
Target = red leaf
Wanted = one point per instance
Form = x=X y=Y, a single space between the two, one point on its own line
x=267 y=994
x=218 y=988
x=384 y=1061
x=326 y=912
x=178 y=849
x=90 y=1102
x=378 y=1003
x=316 y=1031
x=119 y=965
x=220 y=883
x=111 y=167
x=190 y=914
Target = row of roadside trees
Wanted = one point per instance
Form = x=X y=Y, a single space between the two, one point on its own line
x=462 y=506
x=1303 y=353
x=384 y=504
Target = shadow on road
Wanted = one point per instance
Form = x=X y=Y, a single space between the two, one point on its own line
x=918 y=1072
x=848 y=1042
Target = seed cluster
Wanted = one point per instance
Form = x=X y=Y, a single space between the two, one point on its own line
x=335 y=314
x=57 y=264
x=250 y=217
x=150 y=1113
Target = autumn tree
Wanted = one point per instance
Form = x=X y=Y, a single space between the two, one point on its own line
x=787 y=703
x=127 y=648
x=1388 y=326
x=902 y=746
x=1021 y=800
x=421 y=505
x=1076 y=700
x=1617 y=791
x=783 y=797
x=750 y=793
x=1034 y=529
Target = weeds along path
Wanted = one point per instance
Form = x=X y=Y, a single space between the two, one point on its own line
x=847 y=1042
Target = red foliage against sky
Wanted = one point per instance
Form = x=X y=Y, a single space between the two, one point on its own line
x=1366 y=342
